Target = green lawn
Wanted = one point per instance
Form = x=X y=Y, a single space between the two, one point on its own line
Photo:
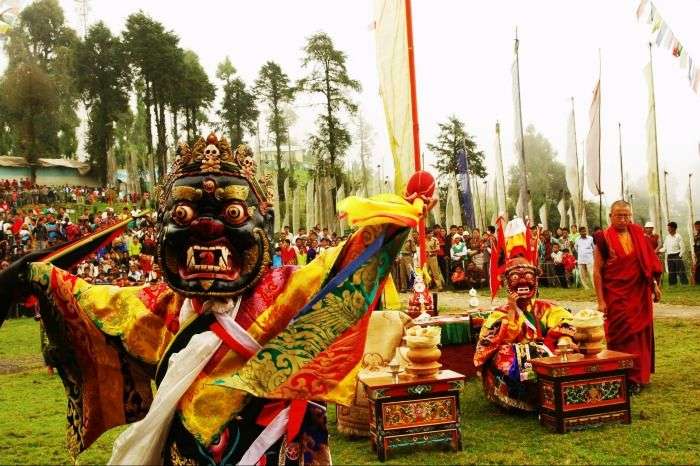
x=666 y=417
x=678 y=294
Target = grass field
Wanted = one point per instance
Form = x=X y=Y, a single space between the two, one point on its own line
x=665 y=428
x=679 y=294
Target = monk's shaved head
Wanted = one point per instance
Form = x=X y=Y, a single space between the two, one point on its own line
x=620 y=204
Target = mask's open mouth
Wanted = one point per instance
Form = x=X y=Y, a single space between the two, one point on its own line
x=217 y=261
x=524 y=290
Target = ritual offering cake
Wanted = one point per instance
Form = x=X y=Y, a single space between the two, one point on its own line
x=423 y=352
x=590 y=331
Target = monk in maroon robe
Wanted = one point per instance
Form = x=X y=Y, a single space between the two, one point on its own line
x=626 y=276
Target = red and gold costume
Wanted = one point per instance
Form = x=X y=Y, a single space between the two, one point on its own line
x=524 y=328
x=243 y=356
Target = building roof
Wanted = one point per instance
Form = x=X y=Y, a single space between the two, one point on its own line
x=83 y=168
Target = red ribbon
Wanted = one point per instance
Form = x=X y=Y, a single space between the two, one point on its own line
x=230 y=341
x=297 y=410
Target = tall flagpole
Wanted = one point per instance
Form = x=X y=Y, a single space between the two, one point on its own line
x=656 y=147
x=694 y=258
x=600 y=137
x=668 y=212
x=414 y=116
x=526 y=200
x=622 y=173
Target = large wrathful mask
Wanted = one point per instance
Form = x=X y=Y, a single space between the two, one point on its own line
x=215 y=218
x=521 y=278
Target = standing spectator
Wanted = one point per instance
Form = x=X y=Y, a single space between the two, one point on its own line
x=458 y=252
x=406 y=263
x=300 y=250
x=442 y=253
x=674 y=249
x=432 y=247
x=277 y=258
x=40 y=234
x=650 y=236
x=312 y=250
x=573 y=236
x=558 y=260
x=569 y=262
x=584 y=254
x=696 y=250
x=289 y=256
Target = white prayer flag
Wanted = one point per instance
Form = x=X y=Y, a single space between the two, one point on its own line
x=500 y=177
x=394 y=85
x=572 y=172
x=543 y=216
x=653 y=182
x=593 y=144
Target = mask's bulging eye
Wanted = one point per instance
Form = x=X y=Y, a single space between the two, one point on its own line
x=235 y=214
x=183 y=214
x=529 y=276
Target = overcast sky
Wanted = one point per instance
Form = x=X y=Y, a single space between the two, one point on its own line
x=463 y=52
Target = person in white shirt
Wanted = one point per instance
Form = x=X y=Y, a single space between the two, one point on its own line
x=584 y=257
x=673 y=247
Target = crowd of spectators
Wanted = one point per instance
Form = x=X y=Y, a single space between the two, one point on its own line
x=459 y=258
x=302 y=247
x=21 y=193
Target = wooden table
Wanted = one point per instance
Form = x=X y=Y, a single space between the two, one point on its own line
x=586 y=391
x=414 y=411
x=458 y=346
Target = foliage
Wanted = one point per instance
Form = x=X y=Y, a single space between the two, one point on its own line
x=328 y=77
x=30 y=101
x=545 y=175
x=364 y=139
x=34 y=406
x=452 y=138
x=39 y=50
x=102 y=76
x=239 y=111
x=193 y=94
x=273 y=90
x=156 y=58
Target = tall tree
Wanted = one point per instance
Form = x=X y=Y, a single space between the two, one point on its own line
x=274 y=90
x=102 y=75
x=130 y=145
x=155 y=56
x=328 y=77
x=193 y=94
x=40 y=47
x=365 y=142
x=31 y=102
x=451 y=138
x=239 y=111
x=545 y=175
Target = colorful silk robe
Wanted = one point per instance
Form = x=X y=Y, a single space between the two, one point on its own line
x=540 y=326
x=311 y=323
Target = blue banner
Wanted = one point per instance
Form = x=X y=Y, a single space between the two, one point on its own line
x=465 y=190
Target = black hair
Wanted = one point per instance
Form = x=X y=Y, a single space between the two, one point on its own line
x=673 y=225
x=491 y=229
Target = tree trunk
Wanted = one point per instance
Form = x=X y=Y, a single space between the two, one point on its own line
x=161 y=148
x=149 y=135
x=331 y=137
x=175 y=135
